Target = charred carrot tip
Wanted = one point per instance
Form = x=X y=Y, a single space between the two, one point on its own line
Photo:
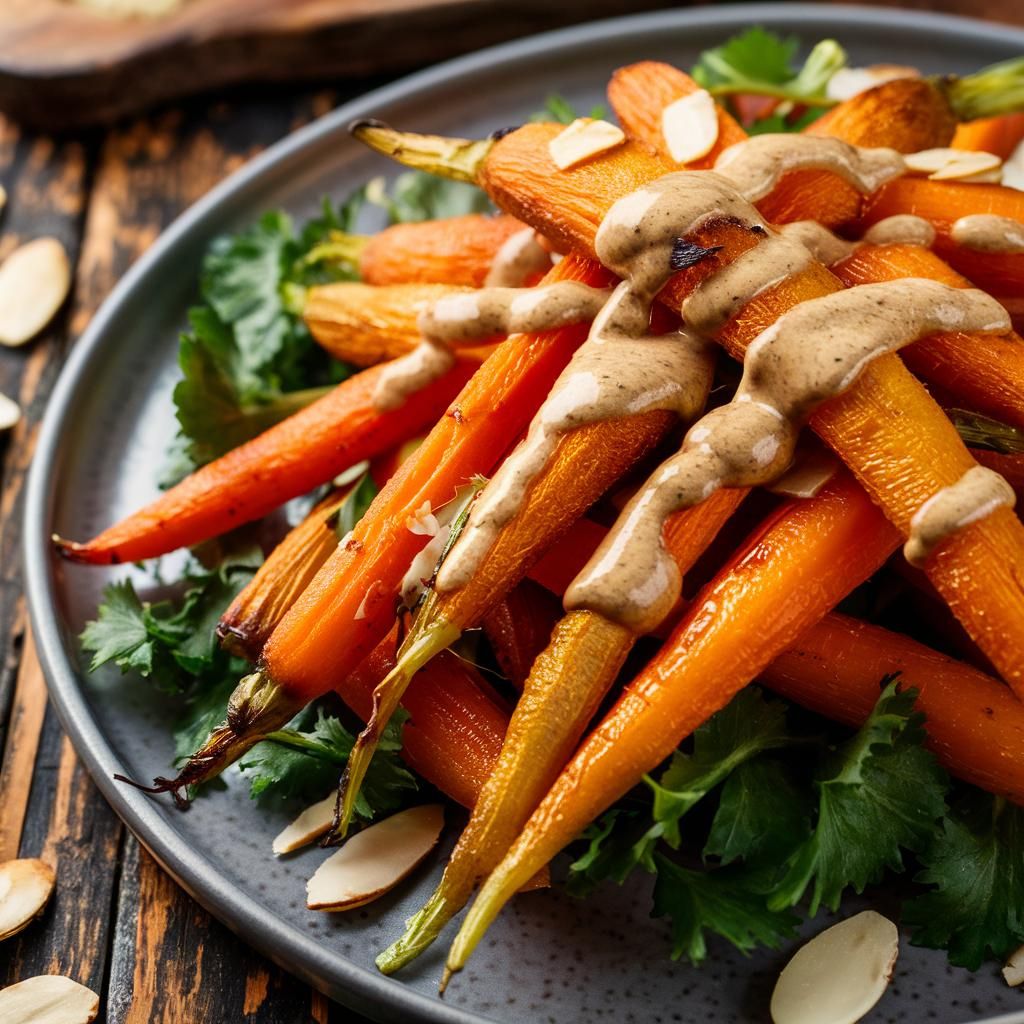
x=83 y=554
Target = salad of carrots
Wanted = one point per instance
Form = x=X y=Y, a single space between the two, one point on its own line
x=657 y=457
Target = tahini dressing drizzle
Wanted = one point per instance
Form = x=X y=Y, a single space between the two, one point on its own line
x=985 y=232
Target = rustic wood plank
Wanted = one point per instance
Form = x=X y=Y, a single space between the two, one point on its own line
x=22 y=746
x=171 y=962
x=62 y=65
x=72 y=828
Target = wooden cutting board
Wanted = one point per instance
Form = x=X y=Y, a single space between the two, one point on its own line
x=63 y=64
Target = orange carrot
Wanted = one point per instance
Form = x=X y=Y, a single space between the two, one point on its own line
x=519 y=626
x=300 y=453
x=975 y=724
x=1000 y=135
x=943 y=202
x=451 y=251
x=904 y=114
x=774 y=590
x=984 y=371
x=349 y=605
x=366 y=324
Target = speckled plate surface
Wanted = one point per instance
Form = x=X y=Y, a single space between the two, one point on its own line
x=109 y=421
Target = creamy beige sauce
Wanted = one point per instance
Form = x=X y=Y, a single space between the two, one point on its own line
x=812 y=353
x=828 y=248
x=977 y=494
x=901 y=229
x=985 y=232
x=517 y=260
x=824 y=245
x=758 y=164
x=472 y=315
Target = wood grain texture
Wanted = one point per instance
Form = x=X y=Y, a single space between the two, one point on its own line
x=62 y=65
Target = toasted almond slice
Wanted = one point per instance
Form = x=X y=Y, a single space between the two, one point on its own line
x=582 y=140
x=1013 y=169
x=25 y=888
x=690 y=126
x=48 y=999
x=9 y=412
x=375 y=860
x=1013 y=969
x=34 y=281
x=970 y=166
x=839 y=975
x=849 y=82
x=951 y=164
x=312 y=823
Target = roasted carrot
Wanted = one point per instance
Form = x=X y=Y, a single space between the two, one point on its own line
x=253 y=615
x=519 y=626
x=886 y=427
x=904 y=114
x=942 y=203
x=300 y=453
x=1000 y=135
x=349 y=605
x=567 y=682
x=1011 y=467
x=975 y=724
x=984 y=372
x=365 y=324
x=451 y=251
x=774 y=590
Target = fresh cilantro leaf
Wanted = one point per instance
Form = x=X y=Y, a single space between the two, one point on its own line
x=119 y=632
x=976 y=868
x=417 y=196
x=756 y=54
x=882 y=792
x=354 y=507
x=171 y=642
x=758 y=62
x=613 y=850
x=561 y=111
x=248 y=360
x=293 y=762
x=762 y=815
x=715 y=901
x=749 y=725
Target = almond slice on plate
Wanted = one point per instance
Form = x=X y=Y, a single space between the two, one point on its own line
x=375 y=860
x=9 y=412
x=34 y=282
x=48 y=999
x=582 y=140
x=690 y=126
x=839 y=975
x=25 y=888
x=311 y=824
x=1013 y=969
x=849 y=82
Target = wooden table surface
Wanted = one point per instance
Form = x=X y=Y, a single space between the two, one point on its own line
x=117 y=923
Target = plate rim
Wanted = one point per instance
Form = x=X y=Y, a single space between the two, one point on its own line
x=358 y=987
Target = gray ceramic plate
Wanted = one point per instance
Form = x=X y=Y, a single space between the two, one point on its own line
x=548 y=959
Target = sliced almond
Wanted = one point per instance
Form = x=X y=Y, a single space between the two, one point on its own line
x=311 y=824
x=849 y=82
x=1013 y=969
x=690 y=126
x=48 y=999
x=951 y=164
x=582 y=140
x=839 y=975
x=9 y=412
x=375 y=860
x=1013 y=169
x=25 y=888
x=34 y=282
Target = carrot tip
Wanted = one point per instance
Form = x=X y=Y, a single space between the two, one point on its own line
x=83 y=554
